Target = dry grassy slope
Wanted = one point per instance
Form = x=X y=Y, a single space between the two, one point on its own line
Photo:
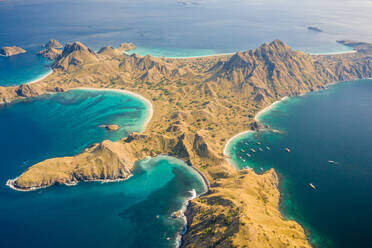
x=198 y=104
x=242 y=212
x=104 y=161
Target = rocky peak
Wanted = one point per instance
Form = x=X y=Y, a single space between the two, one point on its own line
x=53 y=44
x=275 y=48
x=73 y=47
x=75 y=54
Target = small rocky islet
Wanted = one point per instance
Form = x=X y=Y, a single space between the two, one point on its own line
x=11 y=51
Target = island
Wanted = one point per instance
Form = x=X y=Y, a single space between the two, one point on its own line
x=360 y=47
x=111 y=127
x=10 y=51
x=315 y=29
x=198 y=105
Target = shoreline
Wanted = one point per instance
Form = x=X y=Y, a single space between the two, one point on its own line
x=186 y=205
x=256 y=118
x=333 y=53
x=10 y=183
x=40 y=78
x=185 y=57
x=268 y=108
x=203 y=56
x=127 y=92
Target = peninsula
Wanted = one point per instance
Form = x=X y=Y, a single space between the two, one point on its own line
x=10 y=51
x=198 y=104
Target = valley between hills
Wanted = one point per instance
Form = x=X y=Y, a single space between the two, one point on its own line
x=198 y=105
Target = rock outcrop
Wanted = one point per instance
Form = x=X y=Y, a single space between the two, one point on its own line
x=111 y=127
x=10 y=51
x=50 y=53
x=28 y=90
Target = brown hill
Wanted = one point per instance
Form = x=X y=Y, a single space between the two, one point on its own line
x=75 y=54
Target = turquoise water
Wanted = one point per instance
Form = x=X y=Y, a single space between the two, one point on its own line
x=174 y=53
x=329 y=134
x=133 y=213
x=171 y=28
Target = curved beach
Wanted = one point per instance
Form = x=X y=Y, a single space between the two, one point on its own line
x=40 y=78
x=126 y=92
x=256 y=118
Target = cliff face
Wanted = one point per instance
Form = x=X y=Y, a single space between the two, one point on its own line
x=10 y=51
x=199 y=103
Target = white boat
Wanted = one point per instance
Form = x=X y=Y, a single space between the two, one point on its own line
x=333 y=162
x=260 y=149
x=287 y=149
x=312 y=185
x=253 y=150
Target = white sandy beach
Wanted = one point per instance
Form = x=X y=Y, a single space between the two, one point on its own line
x=334 y=53
x=40 y=78
x=256 y=118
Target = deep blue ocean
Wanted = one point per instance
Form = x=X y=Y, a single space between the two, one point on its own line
x=133 y=213
x=329 y=134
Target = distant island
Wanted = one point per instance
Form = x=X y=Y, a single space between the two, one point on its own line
x=315 y=29
x=198 y=105
x=360 y=47
x=10 y=51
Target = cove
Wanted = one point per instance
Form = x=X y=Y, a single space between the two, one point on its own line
x=23 y=68
x=329 y=135
x=135 y=212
